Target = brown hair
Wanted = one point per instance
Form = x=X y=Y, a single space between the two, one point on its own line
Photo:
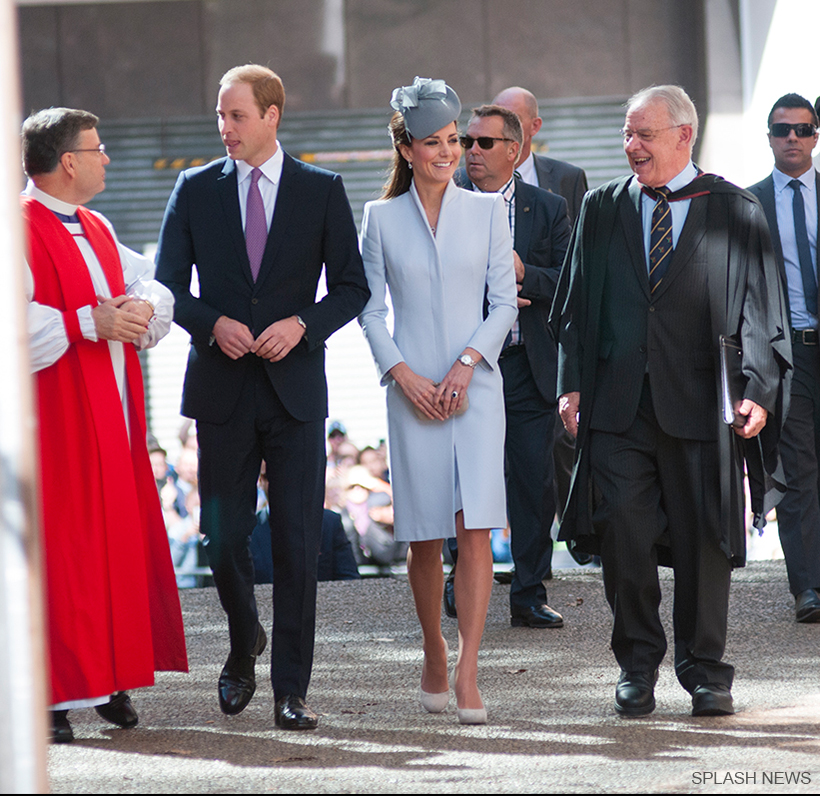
x=512 y=124
x=49 y=133
x=266 y=84
x=400 y=175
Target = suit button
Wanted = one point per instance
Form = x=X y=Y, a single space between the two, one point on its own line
x=254 y=301
x=643 y=349
x=651 y=309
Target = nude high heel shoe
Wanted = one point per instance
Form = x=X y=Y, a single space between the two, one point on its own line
x=468 y=715
x=435 y=703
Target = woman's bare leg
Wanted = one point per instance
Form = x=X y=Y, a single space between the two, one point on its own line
x=473 y=586
x=424 y=571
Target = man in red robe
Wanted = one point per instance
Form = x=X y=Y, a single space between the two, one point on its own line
x=112 y=605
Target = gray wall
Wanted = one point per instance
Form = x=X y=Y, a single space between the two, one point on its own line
x=150 y=59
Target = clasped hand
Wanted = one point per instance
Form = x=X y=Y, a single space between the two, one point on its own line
x=435 y=401
x=121 y=318
x=274 y=344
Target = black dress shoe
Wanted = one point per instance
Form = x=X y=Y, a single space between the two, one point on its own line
x=450 y=595
x=61 y=731
x=291 y=713
x=119 y=711
x=712 y=699
x=504 y=576
x=536 y=616
x=582 y=559
x=635 y=693
x=807 y=606
x=237 y=682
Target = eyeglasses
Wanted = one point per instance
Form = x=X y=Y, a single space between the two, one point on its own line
x=484 y=141
x=645 y=135
x=782 y=130
x=100 y=149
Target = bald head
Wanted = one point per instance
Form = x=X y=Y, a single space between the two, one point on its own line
x=523 y=103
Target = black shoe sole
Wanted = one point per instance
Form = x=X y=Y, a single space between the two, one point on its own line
x=296 y=725
x=518 y=621
x=714 y=707
x=634 y=713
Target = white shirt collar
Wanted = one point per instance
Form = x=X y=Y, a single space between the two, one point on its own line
x=781 y=180
x=507 y=190
x=683 y=179
x=51 y=202
x=271 y=168
x=680 y=180
x=526 y=168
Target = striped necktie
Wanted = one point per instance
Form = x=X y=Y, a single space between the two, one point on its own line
x=660 y=239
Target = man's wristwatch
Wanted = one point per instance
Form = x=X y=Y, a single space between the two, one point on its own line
x=300 y=322
x=467 y=360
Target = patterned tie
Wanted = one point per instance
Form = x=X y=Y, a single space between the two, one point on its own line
x=256 y=225
x=660 y=239
x=803 y=249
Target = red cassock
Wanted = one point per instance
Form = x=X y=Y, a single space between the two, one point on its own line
x=113 y=608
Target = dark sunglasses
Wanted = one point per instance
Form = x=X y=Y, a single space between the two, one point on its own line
x=484 y=141
x=782 y=130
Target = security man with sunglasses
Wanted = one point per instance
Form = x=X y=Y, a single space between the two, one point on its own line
x=789 y=196
x=540 y=228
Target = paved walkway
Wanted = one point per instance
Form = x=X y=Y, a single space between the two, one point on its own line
x=548 y=692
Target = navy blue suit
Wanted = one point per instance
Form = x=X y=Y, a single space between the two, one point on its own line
x=251 y=409
x=798 y=513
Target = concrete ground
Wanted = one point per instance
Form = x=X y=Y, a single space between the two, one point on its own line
x=549 y=694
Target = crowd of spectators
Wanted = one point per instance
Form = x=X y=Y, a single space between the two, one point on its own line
x=358 y=519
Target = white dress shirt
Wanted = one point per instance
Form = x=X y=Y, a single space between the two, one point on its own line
x=679 y=209
x=268 y=183
x=527 y=172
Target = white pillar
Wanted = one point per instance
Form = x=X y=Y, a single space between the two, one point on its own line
x=774 y=44
x=22 y=699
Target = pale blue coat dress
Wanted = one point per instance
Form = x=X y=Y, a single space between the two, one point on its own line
x=437 y=288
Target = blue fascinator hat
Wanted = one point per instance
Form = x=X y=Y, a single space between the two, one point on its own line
x=427 y=106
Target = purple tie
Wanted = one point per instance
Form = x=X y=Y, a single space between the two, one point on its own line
x=256 y=226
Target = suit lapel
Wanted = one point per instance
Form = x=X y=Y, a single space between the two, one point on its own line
x=690 y=237
x=767 y=200
x=523 y=218
x=229 y=196
x=817 y=193
x=630 y=212
x=286 y=197
x=543 y=168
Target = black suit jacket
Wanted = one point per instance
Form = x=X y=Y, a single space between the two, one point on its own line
x=764 y=191
x=613 y=330
x=564 y=179
x=312 y=226
x=542 y=233
x=671 y=334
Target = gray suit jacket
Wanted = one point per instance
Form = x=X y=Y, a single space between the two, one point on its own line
x=564 y=179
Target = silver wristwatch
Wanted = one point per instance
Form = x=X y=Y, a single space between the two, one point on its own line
x=467 y=360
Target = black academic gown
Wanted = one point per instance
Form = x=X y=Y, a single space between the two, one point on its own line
x=735 y=240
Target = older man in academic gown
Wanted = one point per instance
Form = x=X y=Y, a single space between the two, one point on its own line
x=658 y=478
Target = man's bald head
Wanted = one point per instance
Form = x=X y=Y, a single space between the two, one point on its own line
x=525 y=105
